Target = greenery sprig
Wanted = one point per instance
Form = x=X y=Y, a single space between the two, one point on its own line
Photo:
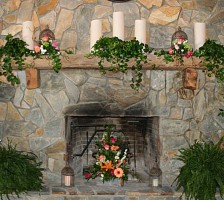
x=13 y=52
x=118 y=53
x=212 y=54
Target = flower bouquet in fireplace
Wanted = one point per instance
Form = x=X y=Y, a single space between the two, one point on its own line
x=111 y=158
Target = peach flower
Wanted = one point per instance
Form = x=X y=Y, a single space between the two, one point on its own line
x=37 y=49
x=114 y=148
x=118 y=172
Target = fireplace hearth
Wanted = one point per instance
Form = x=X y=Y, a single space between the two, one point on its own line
x=140 y=135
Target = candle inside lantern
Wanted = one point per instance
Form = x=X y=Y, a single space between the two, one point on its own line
x=95 y=32
x=199 y=35
x=140 y=30
x=118 y=25
x=27 y=34
x=155 y=182
x=67 y=180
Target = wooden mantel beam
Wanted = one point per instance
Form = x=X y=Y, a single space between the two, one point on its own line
x=80 y=61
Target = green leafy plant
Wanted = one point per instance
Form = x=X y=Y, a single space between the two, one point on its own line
x=19 y=172
x=14 y=52
x=118 y=53
x=202 y=173
x=212 y=54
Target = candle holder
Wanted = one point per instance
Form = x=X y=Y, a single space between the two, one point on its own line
x=155 y=175
x=67 y=174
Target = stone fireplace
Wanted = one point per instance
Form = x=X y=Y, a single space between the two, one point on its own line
x=140 y=135
x=45 y=119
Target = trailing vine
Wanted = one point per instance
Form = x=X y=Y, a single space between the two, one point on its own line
x=118 y=53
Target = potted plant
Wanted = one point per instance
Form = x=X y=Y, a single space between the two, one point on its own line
x=202 y=173
x=20 y=171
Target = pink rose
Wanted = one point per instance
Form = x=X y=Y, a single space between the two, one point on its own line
x=36 y=49
x=55 y=45
x=113 y=140
x=170 y=51
x=106 y=146
x=45 y=38
x=180 y=40
x=102 y=158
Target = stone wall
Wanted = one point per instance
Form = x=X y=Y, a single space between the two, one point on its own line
x=34 y=119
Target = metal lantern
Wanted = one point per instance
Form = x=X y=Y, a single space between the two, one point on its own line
x=47 y=32
x=179 y=34
x=155 y=175
x=67 y=174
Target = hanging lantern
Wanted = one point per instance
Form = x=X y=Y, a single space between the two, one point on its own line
x=47 y=32
x=155 y=175
x=179 y=34
x=67 y=174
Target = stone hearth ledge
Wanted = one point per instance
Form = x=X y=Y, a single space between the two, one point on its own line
x=80 y=61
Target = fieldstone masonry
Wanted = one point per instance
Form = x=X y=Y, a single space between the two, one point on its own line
x=34 y=119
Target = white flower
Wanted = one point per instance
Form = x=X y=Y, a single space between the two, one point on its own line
x=43 y=51
x=102 y=175
x=116 y=157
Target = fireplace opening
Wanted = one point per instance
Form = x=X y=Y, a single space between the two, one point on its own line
x=140 y=135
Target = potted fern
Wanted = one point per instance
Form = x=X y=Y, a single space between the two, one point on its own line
x=19 y=172
x=202 y=173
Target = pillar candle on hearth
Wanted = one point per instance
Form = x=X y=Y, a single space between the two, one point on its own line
x=95 y=32
x=199 y=35
x=27 y=34
x=140 y=30
x=118 y=25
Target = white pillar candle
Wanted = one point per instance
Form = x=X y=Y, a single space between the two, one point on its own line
x=155 y=182
x=199 y=35
x=67 y=180
x=95 y=32
x=140 y=30
x=118 y=25
x=27 y=34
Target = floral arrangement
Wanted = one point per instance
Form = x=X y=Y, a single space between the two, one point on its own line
x=181 y=48
x=49 y=47
x=111 y=158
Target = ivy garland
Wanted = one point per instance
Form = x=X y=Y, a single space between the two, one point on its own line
x=118 y=54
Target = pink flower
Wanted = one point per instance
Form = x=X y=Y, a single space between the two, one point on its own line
x=176 y=46
x=180 y=40
x=106 y=146
x=170 y=51
x=36 y=49
x=45 y=38
x=88 y=175
x=55 y=45
x=113 y=140
x=102 y=158
x=188 y=54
